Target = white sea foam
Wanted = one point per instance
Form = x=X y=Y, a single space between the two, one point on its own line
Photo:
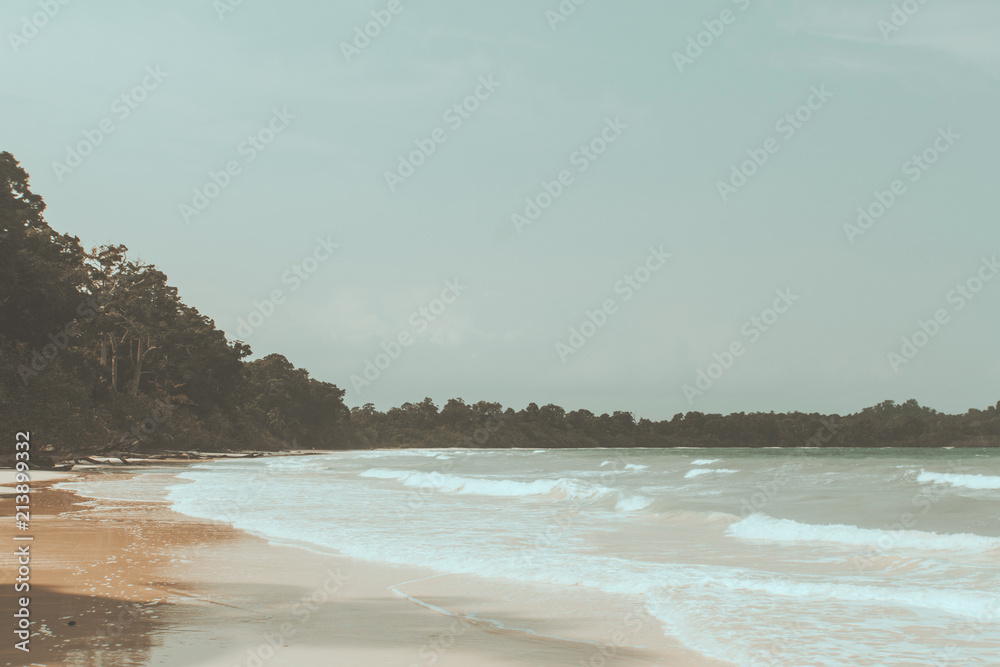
x=384 y=453
x=560 y=520
x=968 y=481
x=381 y=473
x=561 y=488
x=628 y=466
x=111 y=487
x=763 y=527
x=705 y=471
x=632 y=503
x=448 y=483
x=548 y=563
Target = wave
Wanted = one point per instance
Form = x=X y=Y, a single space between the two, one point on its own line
x=448 y=483
x=968 y=481
x=384 y=453
x=696 y=518
x=524 y=543
x=965 y=604
x=763 y=527
x=380 y=473
x=562 y=488
x=704 y=462
x=626 y=503
x=705 y=471
x=628 y=466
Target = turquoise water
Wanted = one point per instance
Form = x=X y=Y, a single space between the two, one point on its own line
x=754 y=557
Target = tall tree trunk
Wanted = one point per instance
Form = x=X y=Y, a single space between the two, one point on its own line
x=104 y=357
x=114 y=369
x=114 y=345
x=140 y=353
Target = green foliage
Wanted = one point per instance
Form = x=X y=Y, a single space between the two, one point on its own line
x=459 y=425
x=99 y=354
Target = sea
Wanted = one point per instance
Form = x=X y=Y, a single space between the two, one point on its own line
x=752 y=557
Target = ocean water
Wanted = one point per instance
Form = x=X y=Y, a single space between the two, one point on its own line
x=772 y=557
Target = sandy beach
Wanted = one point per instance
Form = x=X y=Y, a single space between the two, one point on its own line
x=128 y=583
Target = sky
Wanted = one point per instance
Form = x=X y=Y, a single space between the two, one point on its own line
x=655 y=207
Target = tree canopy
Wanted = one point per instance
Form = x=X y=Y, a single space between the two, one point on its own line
x=98 y=354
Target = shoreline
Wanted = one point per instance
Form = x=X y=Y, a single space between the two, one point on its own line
x=194 y=456
x=118 y=582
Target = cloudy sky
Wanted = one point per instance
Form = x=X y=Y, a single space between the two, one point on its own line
x=740 y=138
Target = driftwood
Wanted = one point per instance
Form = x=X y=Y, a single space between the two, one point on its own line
x=46 y=463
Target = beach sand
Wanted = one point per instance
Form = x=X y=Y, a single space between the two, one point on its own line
x=126 y=583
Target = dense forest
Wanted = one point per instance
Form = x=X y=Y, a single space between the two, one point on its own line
x=98 y=354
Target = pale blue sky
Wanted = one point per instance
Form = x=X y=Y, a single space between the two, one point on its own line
x=656 y=185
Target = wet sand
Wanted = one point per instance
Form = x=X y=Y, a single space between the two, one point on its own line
x=117 y=583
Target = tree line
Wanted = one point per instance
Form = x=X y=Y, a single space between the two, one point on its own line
x=484 y=424
x=98 y=354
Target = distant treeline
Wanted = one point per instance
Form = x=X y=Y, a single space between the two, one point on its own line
x=98 y=354
x=489 y=425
